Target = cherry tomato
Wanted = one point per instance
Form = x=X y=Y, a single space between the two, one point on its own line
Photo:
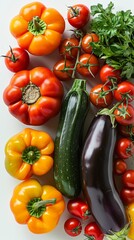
x=16 y=59
x=88 y=65
x=108 y=73
x=63 y=69
x=124 y=91
x=78 y=15
x=124 y=148
x=127 y=195
x=124 y=114
x=128 y=179
x=120 y=166
x=87 y=39
x=93 y=231
x=127 y=131
x=101 y=96
x=78 y=208
x=69 y=48
x=73 y=227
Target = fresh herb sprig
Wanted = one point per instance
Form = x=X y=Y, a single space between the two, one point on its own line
x=116 y=33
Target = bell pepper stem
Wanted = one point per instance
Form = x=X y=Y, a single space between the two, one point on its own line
x=41 y=203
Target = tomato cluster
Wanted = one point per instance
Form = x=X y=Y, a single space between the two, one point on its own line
x=80 y=214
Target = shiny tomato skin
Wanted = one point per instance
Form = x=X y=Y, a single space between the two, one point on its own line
x=78 y=208
x=93 y=231
x=78 y=15
x=17 y=59
x=107 y=72
x=85 y=66
x=62 y=70
x=128 y=179
x=127 y=195
x=124 y=148
x=120 y=166
x=124 y=91
x=73 y=227
x=69 y=48
x=87 y=39
x=124 y=114
x=100 y=96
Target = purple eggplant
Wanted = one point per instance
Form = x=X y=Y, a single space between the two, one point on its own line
x=97 y=177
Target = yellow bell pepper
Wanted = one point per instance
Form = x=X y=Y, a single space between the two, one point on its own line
x=40 y=207
x=29 y=152
x=130 y=214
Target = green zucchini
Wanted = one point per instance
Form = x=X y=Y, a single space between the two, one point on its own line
x=68 y=140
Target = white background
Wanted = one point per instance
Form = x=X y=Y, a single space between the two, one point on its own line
x=9 y=229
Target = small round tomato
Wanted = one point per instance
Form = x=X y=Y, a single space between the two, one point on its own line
x=93 y=231
x=86 y=41
x=73 y=227
x=124 y=114
x=124 y=91
x=69 y=48
x=128 y=179
x=127 y=195
x=109 y=74
x=124 y=148
x=78 y=15
x=127 y=131
x=16 y=59
x=63 y=69
x=120 y=166
x=88 y=65
x=101 y=96
x=78 y=208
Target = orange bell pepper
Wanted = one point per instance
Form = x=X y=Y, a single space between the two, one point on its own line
x=40 y=207
x=29 y=152
x=38 y=29
x=130 y=214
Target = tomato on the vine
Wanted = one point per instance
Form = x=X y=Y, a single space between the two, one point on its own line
x=127 y=195
x=124 y=148
x=78 y=208
x=124 y=91
x=93 y=231
x=109 y=74
x=16 y=59
x=128 y=179
x=127 y=131
x=88 y=65
x=124 y=114
x=78 y=15
x=63 y=69
x=73 y=227
x=69 y=48
x=87 y=39
x=120 y=166
x=101 y=96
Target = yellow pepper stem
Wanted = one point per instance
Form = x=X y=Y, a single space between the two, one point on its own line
x=37 y=26
x=36 y=206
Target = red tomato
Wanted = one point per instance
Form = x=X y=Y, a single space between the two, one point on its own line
x=124 y=91
x=120 y=166
x=127 y=195
x=73 y=227
x=78 y=208
x=88 y=65
x=69 y=48
x=128 y=179
x=108 y=73
x=63 y=69
x=87 y=39
x=127 y=131
x=93 y=231
x=78 y=15
x=124 y=114
x=16 y=59
x=124 y=148
x=100 y=96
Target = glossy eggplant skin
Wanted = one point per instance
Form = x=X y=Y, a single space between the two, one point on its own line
x=97 y=176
